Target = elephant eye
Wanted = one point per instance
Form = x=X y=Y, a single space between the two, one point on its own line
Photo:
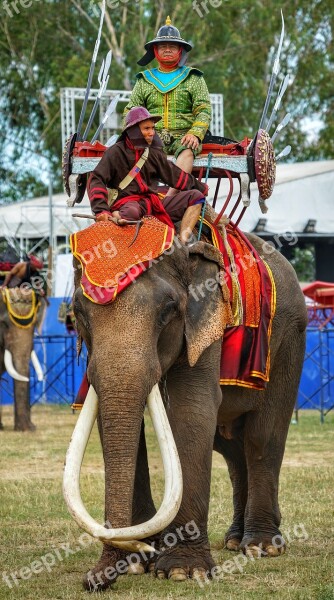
x=167 y=312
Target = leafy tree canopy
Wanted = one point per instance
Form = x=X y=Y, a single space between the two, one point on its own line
x=47 y=44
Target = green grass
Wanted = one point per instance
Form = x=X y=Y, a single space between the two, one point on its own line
x=35 y=521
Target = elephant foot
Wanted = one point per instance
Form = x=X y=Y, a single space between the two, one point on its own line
x=253 y=551
x=233 y=544
x=105 y=573
x=1 y=427
x=233 y=537
x=24 y=425
x=145 y=562
x=184 y=562
x=259 y=548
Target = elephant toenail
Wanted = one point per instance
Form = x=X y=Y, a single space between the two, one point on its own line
x=161 y=574
x=177 y=574
x=136 y=569
x=233 y=544
x=200 y=574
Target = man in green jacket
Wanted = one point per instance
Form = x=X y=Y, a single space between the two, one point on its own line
x=175 y=92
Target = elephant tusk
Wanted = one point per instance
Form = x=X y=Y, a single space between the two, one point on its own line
x=172 y=467
x=37 y=365
x=8 y=360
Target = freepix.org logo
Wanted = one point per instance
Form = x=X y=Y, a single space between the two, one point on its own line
x=202 y=7
x=14 y=8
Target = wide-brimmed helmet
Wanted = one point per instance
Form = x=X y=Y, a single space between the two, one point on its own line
x=136 y=115
x=166 y=33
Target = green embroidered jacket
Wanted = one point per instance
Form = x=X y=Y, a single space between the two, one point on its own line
x=183 y=102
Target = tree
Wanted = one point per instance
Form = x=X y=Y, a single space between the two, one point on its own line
x=42 y=51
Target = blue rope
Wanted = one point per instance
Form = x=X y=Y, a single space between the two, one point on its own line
x=204 y=203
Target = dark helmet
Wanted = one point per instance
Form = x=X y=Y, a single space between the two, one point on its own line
x=166 y=33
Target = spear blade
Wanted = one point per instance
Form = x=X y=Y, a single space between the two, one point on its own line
x=103 y=80
x=284 y=153
x=109 y=111
x=273 y=75
x=107 y=64
x=91 y=71
x=112 y=140
x=281 y=125
x=278 y=101
x=100 y=75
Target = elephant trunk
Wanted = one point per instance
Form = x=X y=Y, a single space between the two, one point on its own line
x=123 y=535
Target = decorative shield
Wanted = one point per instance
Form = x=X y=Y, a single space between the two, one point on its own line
x=265 y=164
x=75 y=185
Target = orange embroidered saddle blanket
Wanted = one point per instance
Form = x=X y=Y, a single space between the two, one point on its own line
x=111 y=260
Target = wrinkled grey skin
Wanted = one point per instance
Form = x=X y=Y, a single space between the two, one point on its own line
x=19 y=342
x=143 y=336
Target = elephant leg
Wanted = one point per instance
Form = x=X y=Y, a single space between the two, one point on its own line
x=264 y=440
x=194 y=397
x=22 y=410
x=20 y=343
x=233 y=452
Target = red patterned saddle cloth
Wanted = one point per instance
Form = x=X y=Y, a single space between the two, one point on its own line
x=111 y=260
x=245 y=359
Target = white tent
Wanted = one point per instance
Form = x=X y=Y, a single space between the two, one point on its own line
x=302 y=191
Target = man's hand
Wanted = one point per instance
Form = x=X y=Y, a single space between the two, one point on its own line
x=190 y=140
x=104 y=216
x=206 y=190
x=114 y=217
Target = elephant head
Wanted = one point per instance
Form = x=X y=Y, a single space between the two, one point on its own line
x=167 y=318
x=20 y=311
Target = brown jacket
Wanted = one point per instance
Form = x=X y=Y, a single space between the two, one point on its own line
x=116 y=163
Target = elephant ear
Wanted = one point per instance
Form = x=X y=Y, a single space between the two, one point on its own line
x=208 y=308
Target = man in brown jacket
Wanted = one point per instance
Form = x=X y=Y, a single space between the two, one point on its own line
x=131 y=170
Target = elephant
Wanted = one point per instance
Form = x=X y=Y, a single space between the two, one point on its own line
x=20 y=312
x=157 y=332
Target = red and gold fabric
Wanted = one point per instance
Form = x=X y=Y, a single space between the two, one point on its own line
x=245 y=359
x=109 y=258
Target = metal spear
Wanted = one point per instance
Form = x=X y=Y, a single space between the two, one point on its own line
x=91 y=70
x=205 y=199
x=103 y=79
x=281 y=125
x=112 y=140
x=278 y=101
x=284 y=153
x=273 y=76
x=108 y=112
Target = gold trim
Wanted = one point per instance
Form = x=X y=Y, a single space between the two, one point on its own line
x=31 y=316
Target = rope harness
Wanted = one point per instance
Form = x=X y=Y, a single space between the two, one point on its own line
x=21 y=318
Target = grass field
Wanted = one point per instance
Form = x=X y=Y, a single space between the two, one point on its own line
x=35 y=522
